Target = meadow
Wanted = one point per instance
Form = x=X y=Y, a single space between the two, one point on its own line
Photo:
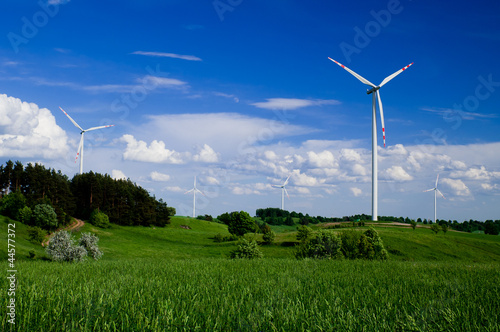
x=178 y=279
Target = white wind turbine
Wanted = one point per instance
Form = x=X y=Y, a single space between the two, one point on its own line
x=436 y=190
x=79 y=152
x=194 y=190
x=376 y=95
x=283 y=191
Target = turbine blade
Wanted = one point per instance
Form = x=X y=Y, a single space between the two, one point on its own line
x=286 y=192
x=190 y=190
x=437 y=180
x=201 y=192
x=74 y=122
x=440 y=193
x=429 y=190
x=381 y=114
x=100 y=127
x=80 y=147
x=359 y=77
x=286 y=182
x=390 y=77
x=275 y=186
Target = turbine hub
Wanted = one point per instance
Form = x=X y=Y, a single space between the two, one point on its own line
x=372 y=90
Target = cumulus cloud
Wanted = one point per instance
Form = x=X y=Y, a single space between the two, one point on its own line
x=457 y=186
x=29 y=131
x=118 y=175
x=175 y=189
x=396 y=173
x=292 y=103
x=322 y=159
x=356 y=191
x=156 y=152
x=157 y=176
x=207 y=155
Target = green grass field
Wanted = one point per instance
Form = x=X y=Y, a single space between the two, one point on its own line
x=177 y=279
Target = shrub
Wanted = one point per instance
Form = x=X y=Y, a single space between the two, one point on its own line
x=62 y=248
x=366 y=245
x=413 y=224
x=45 y=217
x=268 y=237
x=31 y=254
x=378 y=245
x=25 y=215
x=89 y=242
x=240 y=223
x=218 y=237
x=99 y=219
x=435 y=228
x=36 y=234
x=325 y=245
x=11 y=204
x=444 y=228
x=247 y=249
x=304 y=232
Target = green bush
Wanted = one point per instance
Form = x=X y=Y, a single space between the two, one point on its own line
x=268 y=237
x=247 y=249
x=378 y=246
x=325 y=245
x=241 y=223
x=304 y=232
x=45 y=217
x=36 y=234
x=435 y=228
x=11 y=204
x=25 y=215
x=99 y=219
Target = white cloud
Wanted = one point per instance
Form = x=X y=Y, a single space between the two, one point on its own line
x=145 y=85
x=292 y=103
x=350 y=155
x=169 y=55
x=212 y=180
x=29 y=131
x=302 y=190
x=156 y=152
x=396 y=173
x=356 y=191
x=118 y=175
x=474 y=174
x=458 y=186
x=157 y=176
x=322 y=159
x=207 y=155
x=175 y=189
x=301 y=179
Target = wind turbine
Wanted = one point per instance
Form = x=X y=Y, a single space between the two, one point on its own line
x=194 y=190
x=436 y=190
x=283 y=191
x=79 y=152
x=375 y=95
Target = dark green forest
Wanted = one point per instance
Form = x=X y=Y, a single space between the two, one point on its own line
x=123 y=201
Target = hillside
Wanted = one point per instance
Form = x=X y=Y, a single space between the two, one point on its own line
x=194 y=240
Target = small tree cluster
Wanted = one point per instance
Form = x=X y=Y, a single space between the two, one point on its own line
x=238 y=223
x=247 y=249
x=63 y=247
x=99 y=219
x=350 y=244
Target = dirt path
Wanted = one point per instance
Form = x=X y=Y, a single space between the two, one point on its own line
x=74 y=226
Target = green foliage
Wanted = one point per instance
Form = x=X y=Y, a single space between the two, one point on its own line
x=413 y=224
x=11 y=204
x=304 y=233
x=45 y=217
x=99 y=219
x=36 y=234
x=246 y=249
x=221 y=238
x=444 y=228
x=32 y=254
x=325 y=245
x=269 y=235
x=378 y=246
x=25 y=215
x=491 y=228
x=89 y=242
x=435 y=228
x=240 y=223
x=62 y=248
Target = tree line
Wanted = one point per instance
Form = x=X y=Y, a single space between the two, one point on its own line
x=123 y=201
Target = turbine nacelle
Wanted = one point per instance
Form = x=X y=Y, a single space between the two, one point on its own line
x=368 y=91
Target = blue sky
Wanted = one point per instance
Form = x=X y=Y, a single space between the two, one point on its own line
x=241 y=94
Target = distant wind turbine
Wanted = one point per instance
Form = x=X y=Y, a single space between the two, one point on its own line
x=194 y=190
x=436 y=190
x=79 y=152
x=283 y=191
x=376 y=95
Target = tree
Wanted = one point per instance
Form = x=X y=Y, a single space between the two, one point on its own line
x=11 y=204
x=246 y=249
x=25 y=215
x=36 y=234
x=413 y=224
x=444 y=228
x=491 y=228
x=419 y=220
x=62 y=248
x=325 y=245
x=45 y=217
x=303 y=233
x=240 y=223
x=99 y=219
x=269 y=235
x=435 y=228
x=89 y=242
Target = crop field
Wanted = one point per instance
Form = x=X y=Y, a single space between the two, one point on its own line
x=178 y=279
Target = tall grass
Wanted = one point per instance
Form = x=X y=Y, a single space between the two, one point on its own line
x=263 y=295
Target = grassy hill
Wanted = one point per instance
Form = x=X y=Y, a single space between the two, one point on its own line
x=188 y=238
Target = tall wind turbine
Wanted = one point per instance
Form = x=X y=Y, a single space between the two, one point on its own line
x=436 y=190
x=79 y=152
x=194 y=190
x=283 y=191
x=375 y=95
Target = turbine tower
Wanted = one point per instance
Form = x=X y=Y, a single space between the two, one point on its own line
x=283 y=191
x=436 y=190
x=79 y=152
x=375 y=96
x=194 y=190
